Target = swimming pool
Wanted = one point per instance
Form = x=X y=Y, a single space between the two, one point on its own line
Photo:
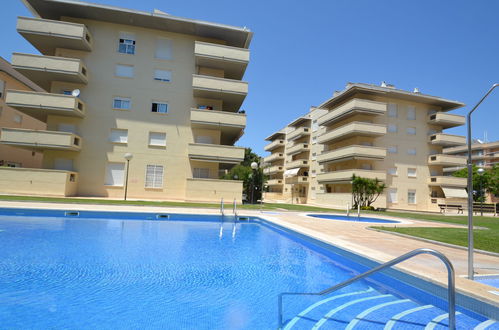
x=352 y=218
x=96 y=270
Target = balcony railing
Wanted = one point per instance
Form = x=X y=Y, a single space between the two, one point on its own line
x=47 y=35
x=40 y=140
x=233 y=60
x=37 y=181
x=446 y=160
x=273 y=169
x=230 y=124
x=446 y=120
x=355 y=128
x=39 y=105
x=346 y=175
x=447 y=140
x=297 y=179
x=274 y=157
x=298 y=133
x=447 y=181
x=216 y=152
x=298 y=148
x=298 y=163
x=231 y=92
x=274 y=145
x=45 y=69
x=213 y=190
x=352 y=107
x=352 y=152
x=275 y=182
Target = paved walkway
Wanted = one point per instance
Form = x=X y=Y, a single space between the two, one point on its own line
x=351 y=236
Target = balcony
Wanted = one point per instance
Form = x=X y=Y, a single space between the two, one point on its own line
x=216 y=153
x=298 y=148
x=297 y=180
x=447 y=181
x=230 y=124
x=47 y=35
x=37 y=181
x=39 y=105
x=355 y=128
x=231 y=92
x=298 y=133
x=232 y=60
x=352 y=152
x=273 y=169
x=446 y=120
x=213 y=190
x=447 y=140
x=274 y=157
x=350 y=108
x=297 y=163
x=346 y=176
x=274 y=145
x=446 y=160
x=40 y=140
x=44 y=69
x=274 y=182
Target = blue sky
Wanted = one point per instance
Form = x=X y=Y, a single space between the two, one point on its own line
x=304 y=50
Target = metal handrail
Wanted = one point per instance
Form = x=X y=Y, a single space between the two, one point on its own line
x=451 y=286
x=222 y=206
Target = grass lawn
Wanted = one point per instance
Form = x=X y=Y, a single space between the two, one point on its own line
x=485 y=239
x=228 y=204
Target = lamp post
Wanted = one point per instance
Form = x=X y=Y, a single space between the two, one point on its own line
x=480 y=195
x=470 y=186
x=128 y=156
x=254 y=166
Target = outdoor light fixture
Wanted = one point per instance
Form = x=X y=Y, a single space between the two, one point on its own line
x=128 y=156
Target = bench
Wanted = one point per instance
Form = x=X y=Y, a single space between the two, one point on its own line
x=445 y=207
x=485 y=207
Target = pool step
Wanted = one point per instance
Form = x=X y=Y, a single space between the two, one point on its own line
x=368 y=309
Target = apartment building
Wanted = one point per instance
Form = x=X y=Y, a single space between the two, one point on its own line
x=12 y=120
x=483 y=154
x=166 y=90
x=386 y=133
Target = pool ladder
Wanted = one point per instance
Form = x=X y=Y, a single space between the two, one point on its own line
x=451 y=286
x=234 y=207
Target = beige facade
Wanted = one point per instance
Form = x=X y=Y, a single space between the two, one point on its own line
x=378 y=132
x=165 y=89
x=12 y=120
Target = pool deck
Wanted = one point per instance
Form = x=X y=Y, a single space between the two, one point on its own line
x=351 y=236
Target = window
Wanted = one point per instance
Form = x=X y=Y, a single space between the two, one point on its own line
x=64 y=164
x=392 y=171
x=17 y=118
x=392 y=150
x=202 y=173
x=115 y=174
x=411 y=112
x=203 y=139
x=122 y=70
x=118 y=136
x=127 y=43
x=159 y=107
x=162 y=75
x=392 y=128
x=411 y=172
x=70 y=128
x=411 y=151
x=411 y=197
x=392 y=195
x=157 y=139
x=2 y=88
x=411 y=130
x=154 y=176
x=164 y=49
x=314 y=139
x=315 y=126
x=367 y=166
x=122 y=103
x=392 y=110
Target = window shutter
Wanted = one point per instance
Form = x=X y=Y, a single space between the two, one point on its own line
x=115 y=174
x=154 y=176
x=392 y=196
x=124 y=70
x=164 y=49
x=163 y=75
x=157 y=139
x=118 y=136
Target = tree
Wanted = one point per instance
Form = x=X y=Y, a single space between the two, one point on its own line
x=486 y=182
x=252 y=179
x=365 y=191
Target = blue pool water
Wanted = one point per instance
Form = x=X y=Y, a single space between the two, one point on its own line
x=186 y=272
x=351 y=218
